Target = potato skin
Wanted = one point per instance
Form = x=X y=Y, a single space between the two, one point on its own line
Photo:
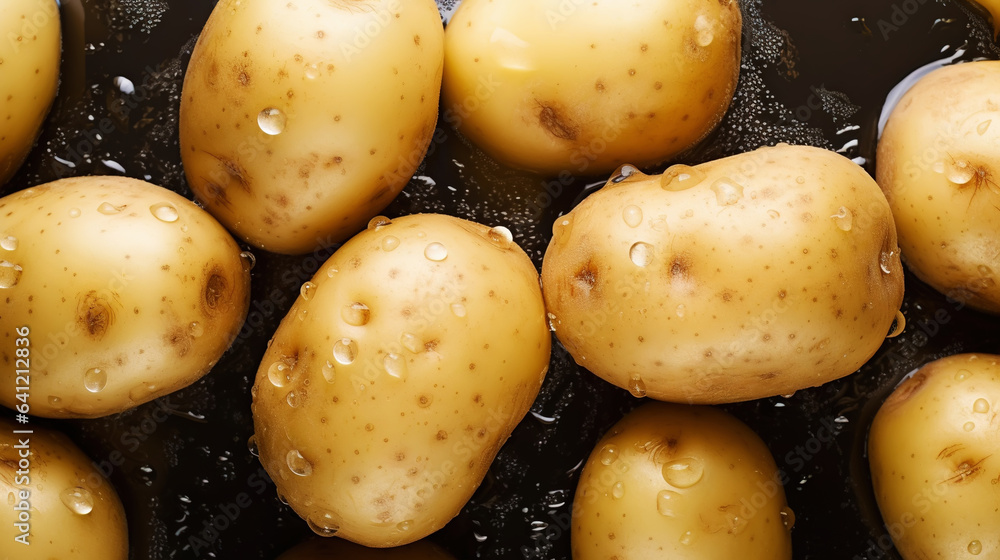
x=937 y=163
x=582 y=87
x=347 y=93
x=397 y=375
x=723 y=498
x=29 y=76
x=103 y=284
x=934 y=456
x=336 y=549
x=758 y=275
x=59 y=476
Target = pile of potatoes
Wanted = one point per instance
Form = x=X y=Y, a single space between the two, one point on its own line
x=408 y=359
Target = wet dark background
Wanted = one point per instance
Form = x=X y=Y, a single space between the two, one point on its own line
x=814 y=72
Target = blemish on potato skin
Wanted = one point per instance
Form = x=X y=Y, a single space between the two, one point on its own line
x=556 y=124
x=94 y=315
x=585 y=278
x=178 y=339
x=216 y=293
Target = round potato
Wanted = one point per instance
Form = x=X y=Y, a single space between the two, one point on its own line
x=582 y=87
x=128 y=291
x=338 y=549
x=934 y=458
x=56 y=505
x=993 y=7
x=741 y=278
x=938 y=165
x=397 y=375
x=680 y=482
x=29 y=76
x=301 y=120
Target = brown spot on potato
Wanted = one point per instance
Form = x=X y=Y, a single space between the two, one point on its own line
x=442 y=435
x=556 y=123
x=178 y=339
x=966 y=471
x=416 y=40
x=599 y=86
x=94 y=315
x=585 y=279
x=216 y=292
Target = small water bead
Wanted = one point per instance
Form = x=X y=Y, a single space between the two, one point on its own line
x=325 y=525
x=500 y=236
x=665 y=502
x=774 y=214
x=552 y=321
x=74 y=212
x=109 y=209
x=884 y=260
x=982 y=406
x=975 y=548
x=378 y=222
x=298 y=464
x=609 y=454
x=898 y=325
x=727 y=192
x=681 y=177
x=686 y=538
x=404 y=525
x=962 y=375
x=356 y=314
x=787 y=518
x=969 y=426
x=95 y=379
x=312 y=71
x=618 y=490
x=292 y=398
x=982 y=127
x=632 y=215
x=389 y=243
x=271 y=121
x=344 y=351
x=331 y=272
x=164 y=211
x=683 y=473
x=703 y=31
x=562 y=226
x=436 y=252
x=636 y=386
x=55 y=401
x=411 y=342
x=10 y=274
x=249 y=259
x=307 y=291
x=79 y=500
x=329 y=372
x=938 y=167
x=9 y=243
x=458 y=310
x=303 y=313
x=252 y=446
x=623 y=172
x=844 y=219
x=681 y=309
x=641 y=254
x=960 y=172
x=195 y=329
x=395 y=365
x=984 y=270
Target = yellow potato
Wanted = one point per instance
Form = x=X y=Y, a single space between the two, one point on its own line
x=938 y=165
x=29 y=74
x=338 y=549
x=993 y=7
x=397 y=375
x=301 y=120
x=741 y=278
x=129 y=292
x=680 y=482
x=935 y=460
x=55 y=504
x=582 y=87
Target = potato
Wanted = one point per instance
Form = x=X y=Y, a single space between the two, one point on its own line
x=29 y=76
x=337 y=549
x=741 y=278
x=993 y=7
x=299 y=121
x=935 y=458
x=396 y=376
x=129 y=292
x=939 y=165
x=582 y=87
x=56 y=505
x=680 y=482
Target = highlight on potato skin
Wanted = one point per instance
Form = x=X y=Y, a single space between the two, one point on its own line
x=935 y=458
x=741 y=278
x=582 y=87
x=937 y=164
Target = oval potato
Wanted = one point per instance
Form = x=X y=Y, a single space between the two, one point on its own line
x=129 y=290
x=746 y=277
x=396 y=376
x=935 y=458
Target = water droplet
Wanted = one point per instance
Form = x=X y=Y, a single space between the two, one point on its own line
x=787 y=518
x=325 y=525
x=252 y=446
x=736 y=522
x=844 y=219
x=74 y=212
x=703 y=31
x=885 y=260
x=665 y=501
x=55 y=401
x=95 y=379
x=975 y=548
x=680 y=310
x=458 y=310
x=298 y=464
x=281 y=374
x=500 y=236
x=681 y=177
x=938 y=167
x=10 y=274
x=249 y=259
x=683 y=473
x=618 y=490
x=636 y=386
x=389 y=243
x=436 y=252
x=356 y=314
x=624 y=172
x=982 y=406
x=632 y=215
x=562 y=226
x=312 y=71
x=727 y=192
x=307 y=291
x=898 y=325
x=164 y=211
x=79 y=500
x=302 y=314
x=404 y=525
x=109 y=209
x=195 y=329
x=800 y=180
x=969 y=426
x=774 y=214
x=411 y=342
x=329 y=371
x=686 y=538
x=331 y=272
x=292 y=398
x=395 y=365
x=962 y=375
x=982 y=127
x=984 y=270
x=960 y=172
x=609 y=454
x=9 y=243
x=552 y=321
x=344 y=351
x=271 y=121
x=641 y=254
x=378 y=222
